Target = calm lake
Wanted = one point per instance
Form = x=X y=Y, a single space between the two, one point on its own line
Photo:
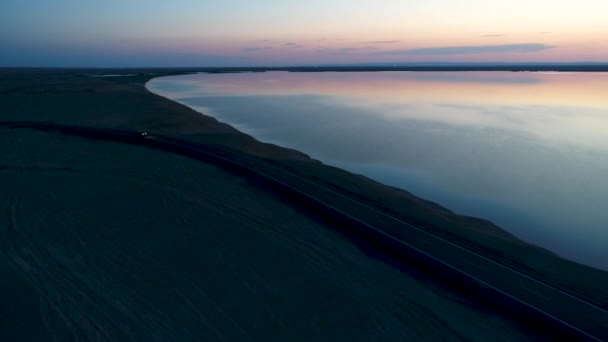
x=528 y=151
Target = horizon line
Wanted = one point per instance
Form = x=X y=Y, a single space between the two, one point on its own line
x=335 y=65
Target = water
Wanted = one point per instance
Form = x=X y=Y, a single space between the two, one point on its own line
x=528 y=151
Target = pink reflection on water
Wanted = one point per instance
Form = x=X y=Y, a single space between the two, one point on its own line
x=561 y=107
x=580 y=89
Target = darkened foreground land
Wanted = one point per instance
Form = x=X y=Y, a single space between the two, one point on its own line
x=122 y=241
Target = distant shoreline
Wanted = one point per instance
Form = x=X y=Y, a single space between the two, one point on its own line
x=531 y=67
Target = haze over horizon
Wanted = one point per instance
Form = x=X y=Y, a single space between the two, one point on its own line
x=113 y=33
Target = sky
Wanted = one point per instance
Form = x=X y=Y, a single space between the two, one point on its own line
x=126 y=33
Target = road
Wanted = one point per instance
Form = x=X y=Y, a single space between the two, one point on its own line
x=557 y=313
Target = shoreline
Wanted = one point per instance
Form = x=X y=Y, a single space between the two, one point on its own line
x=366 y=177
x=481 y=232
x=146 y=111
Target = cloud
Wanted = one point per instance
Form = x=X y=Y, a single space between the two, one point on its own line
x=256 y=49
x=465 y=50
x=383 y=42
x=492 y=35
x=292 y=45
x=343 y=51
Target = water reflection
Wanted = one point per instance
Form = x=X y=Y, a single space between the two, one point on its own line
x=528 y=151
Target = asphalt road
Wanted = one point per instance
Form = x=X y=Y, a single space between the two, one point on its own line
x=558 y=313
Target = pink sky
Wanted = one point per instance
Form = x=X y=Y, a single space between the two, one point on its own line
x=287 y=32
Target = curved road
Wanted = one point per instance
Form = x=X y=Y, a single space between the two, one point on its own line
x=558 y=313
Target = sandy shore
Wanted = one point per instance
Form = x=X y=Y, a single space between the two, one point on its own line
x=111 y=241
